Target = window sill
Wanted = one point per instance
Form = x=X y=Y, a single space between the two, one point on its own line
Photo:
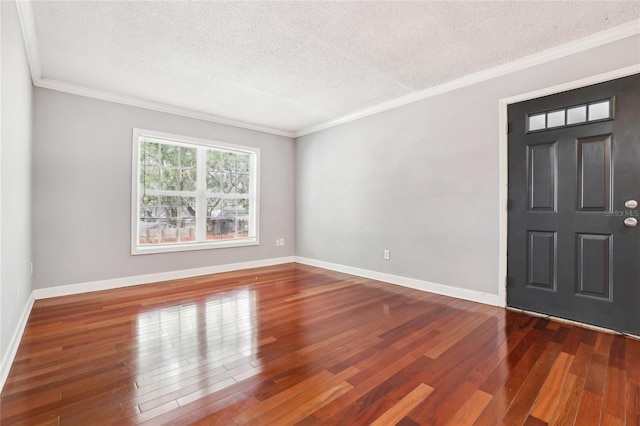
x=177 y=247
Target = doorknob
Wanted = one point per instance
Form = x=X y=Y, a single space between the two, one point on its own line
x=631 y=222
x=631 y=204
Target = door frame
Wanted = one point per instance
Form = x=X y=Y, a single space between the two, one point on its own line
x=503 y=140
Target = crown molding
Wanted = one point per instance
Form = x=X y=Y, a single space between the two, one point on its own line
x=25 y=14
x=152 y=105
x=27 y=23
x=598 y=39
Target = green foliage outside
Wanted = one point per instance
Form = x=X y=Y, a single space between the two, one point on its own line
x=165 y=167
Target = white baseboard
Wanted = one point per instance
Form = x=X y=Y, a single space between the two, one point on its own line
x=10 y=355
x=66 y=290
x=445 y=290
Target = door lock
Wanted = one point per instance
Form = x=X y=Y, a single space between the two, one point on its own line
x=631 y=222
x=631 y=204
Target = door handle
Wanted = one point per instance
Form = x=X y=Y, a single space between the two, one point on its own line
x=630 y=222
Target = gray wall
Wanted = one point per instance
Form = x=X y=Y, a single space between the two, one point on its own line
x=82 y=191
x=15 y=169
x=422 y=180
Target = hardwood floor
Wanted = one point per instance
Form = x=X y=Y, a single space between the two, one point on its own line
x=294 y=344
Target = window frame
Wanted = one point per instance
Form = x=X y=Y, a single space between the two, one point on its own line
x=180 y=140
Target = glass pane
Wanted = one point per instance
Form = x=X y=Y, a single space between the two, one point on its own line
x=577 y=114
x=242 y=227
x=150 y=153
x=177 y=169
x=188 y=179
x=228 y=218
x=243 y=183
x=214 y=176
x=188 y=157
x=213 y=159
x=229 y=160
x=599 y=110
x=218 y=217
x=170 y=179
x=186 y=220
x=214 y=181
x=169 y=155
x=537 y=122
x=243 y=162
x=228 y=183
x=166 y=219
x=149 y=177
x=555 y=119
x=148 y=222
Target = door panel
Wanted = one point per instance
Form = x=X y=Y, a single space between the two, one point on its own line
x=594 y=173
x=541 y=263
x=542 y=176
x=595 y=265
x=569 y=252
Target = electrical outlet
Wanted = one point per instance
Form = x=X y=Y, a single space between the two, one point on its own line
x=387 y=255
x=277 y=242
x=281 y=241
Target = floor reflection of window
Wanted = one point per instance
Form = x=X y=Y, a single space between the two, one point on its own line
x=224 y=326
x=231 y=322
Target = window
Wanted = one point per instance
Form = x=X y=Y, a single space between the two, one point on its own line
x=595 y=111
x=191 y=194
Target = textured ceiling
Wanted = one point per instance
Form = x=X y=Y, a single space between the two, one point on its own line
x=292 y=65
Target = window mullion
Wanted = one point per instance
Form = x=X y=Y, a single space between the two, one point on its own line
x=201 y=196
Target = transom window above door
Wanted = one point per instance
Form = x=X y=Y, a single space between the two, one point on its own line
x=570 y=116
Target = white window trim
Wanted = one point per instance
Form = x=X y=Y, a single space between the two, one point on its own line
x=254 y=193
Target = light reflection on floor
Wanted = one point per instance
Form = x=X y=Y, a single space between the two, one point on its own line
x=195 y=341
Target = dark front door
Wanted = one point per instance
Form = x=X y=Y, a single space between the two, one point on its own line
x=574 y=177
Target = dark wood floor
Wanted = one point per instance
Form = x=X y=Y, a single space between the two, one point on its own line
x=294 y=344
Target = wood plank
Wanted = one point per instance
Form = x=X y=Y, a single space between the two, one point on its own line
x=534 y=421
x=566 y=409
x=294 y=344
x=522 y=403
x=455 y=377
x=471 y=409
x=301 y=406
x=614 y=394
x=589 y=411
x=404 y=406
x=597 y=374
x=505 y=394
x=549 y=393
x=632 y=416
x=632 y=356
x=277 y=401
x=362 y=388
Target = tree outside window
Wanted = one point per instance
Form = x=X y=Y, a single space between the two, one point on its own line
x=193 y=195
